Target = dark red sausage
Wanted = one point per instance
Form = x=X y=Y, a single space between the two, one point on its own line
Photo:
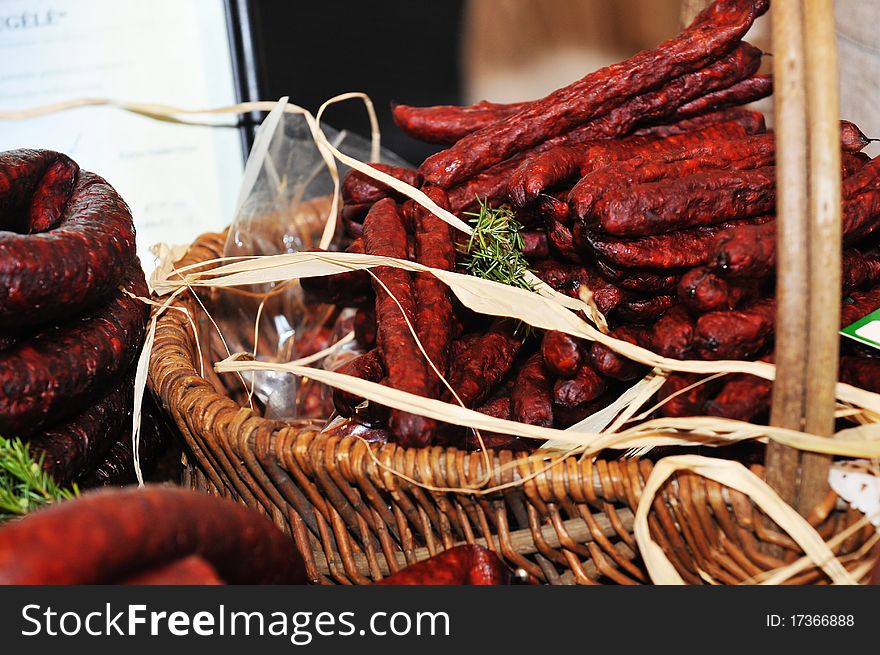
x=77 y=446
x=368 y=366
x=586 y=385
x=359 y=188
x=489 y=186
x=860 y=269
x=365 y=326
x=740 y=154
x=672 y=336
x=704 y=291
x=463 y=565
x=736 y=334
x=687 y=403
x=743 y=397
x=705 y=198
x=73 y=267
x=535 y=245
x=678 y=249
x=353 y=219
x=861 y=372
x=81 y=541
x=853 y=162
x=117 y=467
x=637 y=279
x=866 y=177
x=561 y=352
x=644 y=310
x=861 y=215
x=560 y=236
x=476 y=368
x=551 y=166
x=446 y=124
x=190 y=570
x=746 y=251
x=743 y=92
x=531 y=398
x=714 y=33
x=55 y=373
x=752 y=121
x=348 y=289
x=858 y=304
x=434 y=247
x=554 y=208
x=34 y=187
x=568 y=279
x=52 y=195
x=499 y=407
x=852 y=138
x=612 y=365
x=407 y=370
x=565 y=417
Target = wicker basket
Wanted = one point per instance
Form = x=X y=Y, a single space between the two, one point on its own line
x=355 y=521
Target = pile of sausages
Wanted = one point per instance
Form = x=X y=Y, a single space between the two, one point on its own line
x=645 y=182
x=71 y=327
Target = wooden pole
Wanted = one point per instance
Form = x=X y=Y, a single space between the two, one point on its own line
x=823 y=109
x=792 y=227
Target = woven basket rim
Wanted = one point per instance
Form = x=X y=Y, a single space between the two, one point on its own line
x=279 y=466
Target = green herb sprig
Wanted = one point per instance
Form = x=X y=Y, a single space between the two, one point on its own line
x=495 y=249
x=495 y=252
x=24 y=485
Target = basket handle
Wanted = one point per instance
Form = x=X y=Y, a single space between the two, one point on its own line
x=792 y=238
x=825 y=242
x=807 y=114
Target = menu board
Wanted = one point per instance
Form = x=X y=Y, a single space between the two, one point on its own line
x=179 y=180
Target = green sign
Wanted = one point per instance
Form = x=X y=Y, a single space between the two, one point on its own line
x=866 y=330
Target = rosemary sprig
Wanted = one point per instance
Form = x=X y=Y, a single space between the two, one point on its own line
x=495 y=252
x=495 y=249
x=24 y=485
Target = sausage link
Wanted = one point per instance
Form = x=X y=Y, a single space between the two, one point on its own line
x=78 y=541
x=64 y=271
x=714 y=33
x=55 y=373
x=562 y=353
x=531 y=398
x=384 y=235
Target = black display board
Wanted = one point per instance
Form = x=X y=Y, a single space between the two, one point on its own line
x=394 y=50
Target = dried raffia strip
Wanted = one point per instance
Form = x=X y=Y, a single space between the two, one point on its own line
x=654 y=381
x=326 y=149
x=646 y=413
x=164 y=254
x=735 y=476
x=170 y=113
x=658 y=432
x=636 y=396
x=482 y=296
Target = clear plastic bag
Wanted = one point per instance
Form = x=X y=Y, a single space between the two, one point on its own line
x=283 y=204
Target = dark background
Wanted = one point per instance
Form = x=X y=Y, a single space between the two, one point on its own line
x=395 y=51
